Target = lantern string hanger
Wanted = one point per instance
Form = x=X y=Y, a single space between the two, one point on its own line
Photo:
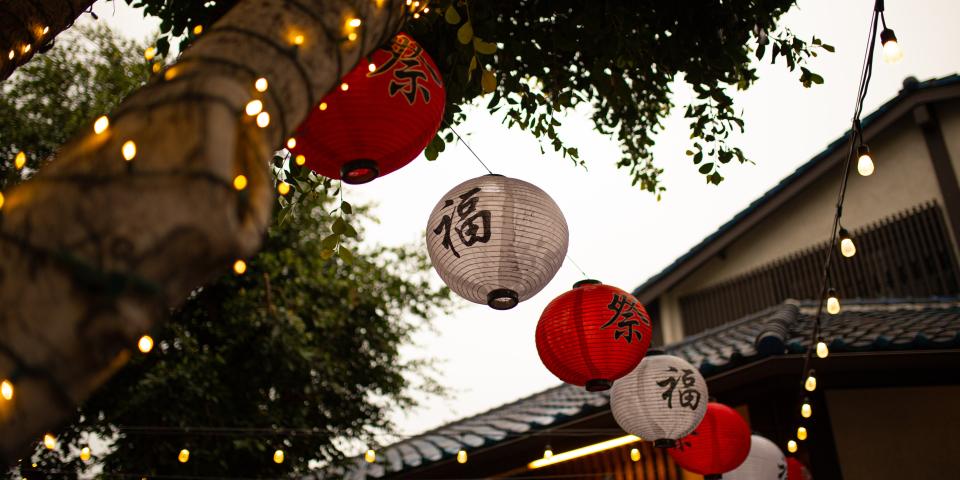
x=857 y=147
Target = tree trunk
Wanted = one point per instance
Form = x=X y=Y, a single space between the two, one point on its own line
x=95 y=250
x=27 y=26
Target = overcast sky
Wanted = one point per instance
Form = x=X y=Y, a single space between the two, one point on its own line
x=618 y=234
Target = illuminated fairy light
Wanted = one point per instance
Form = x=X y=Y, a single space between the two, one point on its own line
x=300 y=160
x=462 y=456
x=85 y=454
x=892 y=53
x=26 y=48
x=263 y=119
x=156 y=67
x=370 y=456
x=183 y=456
x=20 y=160
x=240 y=267
x=197 y=30
x=253 y=107
x=801 y=433
x=805 y=410
x=635 y=454
x=240 y=182
x=129 y=150
x=261 y=84
x=11 y=54
x=865 y=166
x=792 y=446
x=1 y=200
x=323 y=106
x=145 y=344
x=46 y=30
x=583 y=451
x=344 y=86
x=6 y=390
x=283 y=188
x=149 y=53
x=101 y=124
x=371 y=67
x=847 y=247
x=49 y=441
x=352 y=36
x=833 y=302
x=811 y=383
x=291 y=142
x=278 y=456
x=547 y=452
x=298 y=39
x=822 y=350
x=354 y=22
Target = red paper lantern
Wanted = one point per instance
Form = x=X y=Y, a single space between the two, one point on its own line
x=797 y=470
x=719 y=444
x=593 y=335
x=376 y=121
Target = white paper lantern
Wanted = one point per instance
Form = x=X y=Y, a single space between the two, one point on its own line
x=496 y=240
x=765 y=462
x=662 y=400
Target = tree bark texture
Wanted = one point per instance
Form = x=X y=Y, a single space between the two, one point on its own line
x=95 y=250
x=29 y=26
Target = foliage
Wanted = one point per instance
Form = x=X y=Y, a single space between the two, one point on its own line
x=540 y=59
x=299 y=353
x=50 y=98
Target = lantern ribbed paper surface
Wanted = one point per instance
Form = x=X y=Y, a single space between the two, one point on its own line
x=764 y=462
x=381 y=121
x=593 y=335
x=662 y=400
x=718 y=445
x=497 y=240
x=797 y=470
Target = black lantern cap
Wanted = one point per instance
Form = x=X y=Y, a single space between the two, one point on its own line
x=588 y=281
x=359 y=171
x=502 y=299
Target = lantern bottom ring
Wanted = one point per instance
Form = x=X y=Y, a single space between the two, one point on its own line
x=359 y=171
x=502 y=299
x=664 y=443
x=598 y=385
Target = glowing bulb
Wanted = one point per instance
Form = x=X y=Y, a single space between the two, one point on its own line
x=11 y=54
x=261 y=84
x=156 y=67
x=416 y=15
x=352 y=36
x=20 y=160
x=49 y=441
x=170 y=74
x=298 y=40
x=129 y=150
x=833 y=303
x=323 y=106
x=344 y=86
x=183 y=456
x=847 y=248
x=253 y=107
x=6 y=390
x=278 y=456
x=864 y=161
x=792 y=446
x=635 y=454
x=801 y=433
x=462 y=456
x=1 y=200
x=263 y=119
x=371 y=67
x=26 y=48
x=370 y=456
x=101 y=125
x=85 y=454
x=547 y=452
x=46 y=30
x=354 y=22
x=240 y=267
x=300 y=160
x=805 y=410
x=240 y=182
x=426 y=10
x=291 y=142
x=145 y=344
x=891 y=49
x=149 y=53
x=811 y=383
x=822 y=350
x=197 y=30
x=283 y=188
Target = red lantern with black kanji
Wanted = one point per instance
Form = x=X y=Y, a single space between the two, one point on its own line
x=718 y=445
x=593 y=335
x=382 y=115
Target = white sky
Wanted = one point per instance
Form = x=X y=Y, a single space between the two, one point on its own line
x=618 y=234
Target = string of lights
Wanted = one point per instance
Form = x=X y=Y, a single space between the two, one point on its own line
x=840 y=238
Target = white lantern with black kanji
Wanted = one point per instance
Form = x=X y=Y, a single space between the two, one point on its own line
x=764 y=462
x=662 y=400
x=497 y=240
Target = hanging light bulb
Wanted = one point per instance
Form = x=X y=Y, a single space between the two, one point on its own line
x=240 y=182
x=801 y=433
x=300 y=159
x=805 y=410
x=822 y=350
x=101 y=124
x=370 y=456
x=263 y=119
x=792 y=446
x=278 y=456
x=864 y=161
x=811 y=383
x=197 y=30
x=6 y=389
x=145 y=344
x=344 y=86
x=240 y=267
x=149 y=53
x=323 y=106
x=85 y=454
x=49 y=441
x=253 y=107
x=20 y=160
x=298 y=40
x=462 y=456
x=1 y=200
x=183 y=456
x=371 y=68
x=261 y=84
x=283 y=188
x=891 y=49
x=291 y=142
x=847 y=248
x=129 y=150
x=635 y=454
x=547 y=452
x=833 y=303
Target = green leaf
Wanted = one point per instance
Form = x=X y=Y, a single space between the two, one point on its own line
x=472 y=67
x=706 y=167
x=485 y=48
x=346 y=207
x=351 y=232
x=451 y=15
x=488 y=82
x=465 y=33
x=345 y=255
x=828 y=48
x=330 y=241
x=339 y=226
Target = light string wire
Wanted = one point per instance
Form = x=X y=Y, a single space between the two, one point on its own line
x=856 y=139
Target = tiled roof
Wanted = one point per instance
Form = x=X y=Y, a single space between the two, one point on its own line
x=890 y=324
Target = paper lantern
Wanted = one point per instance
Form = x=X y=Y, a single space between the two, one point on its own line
x=593 y=335
x=496 y=240
x=376 y=121
x=718 y=445
x=764 y=462
x=797 y=470
x=662 y=400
